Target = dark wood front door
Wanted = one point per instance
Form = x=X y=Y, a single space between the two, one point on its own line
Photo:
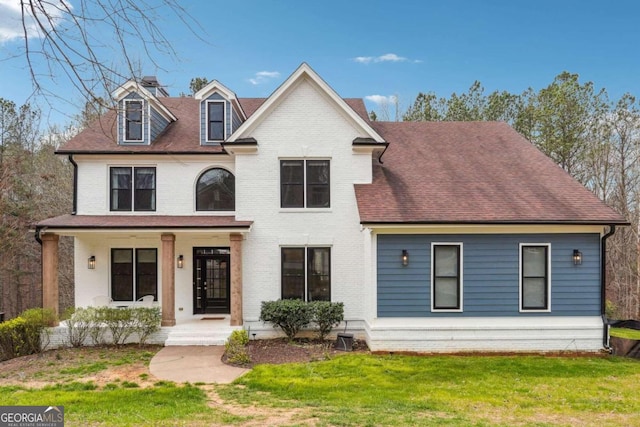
x=211 y=280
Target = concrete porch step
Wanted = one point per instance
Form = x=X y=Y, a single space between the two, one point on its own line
x=197 y=337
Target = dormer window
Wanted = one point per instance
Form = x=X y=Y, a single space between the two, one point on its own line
x=215 y=120
x=133 y=121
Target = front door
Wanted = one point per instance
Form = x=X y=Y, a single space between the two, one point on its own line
x=211 y=280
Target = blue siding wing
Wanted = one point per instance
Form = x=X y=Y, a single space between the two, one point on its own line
x=491 y=275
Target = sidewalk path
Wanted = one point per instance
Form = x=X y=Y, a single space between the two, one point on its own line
x=193 y=364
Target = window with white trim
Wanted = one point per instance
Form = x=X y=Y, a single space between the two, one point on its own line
x=305 y=184
x=535 y=277
x=215 y=120
x=134 y=273
x=446 y=276
x=133 y=121
x=306 y=273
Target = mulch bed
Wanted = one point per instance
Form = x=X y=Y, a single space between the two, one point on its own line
x=280 y=350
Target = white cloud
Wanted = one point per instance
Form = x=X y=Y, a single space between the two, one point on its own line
x=390 y=57
x=261 y=76
x=387 y=57
x=11 y=18
x=381 y=99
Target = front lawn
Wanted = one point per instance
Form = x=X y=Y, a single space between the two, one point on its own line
x=112 y=387
x=453 y=390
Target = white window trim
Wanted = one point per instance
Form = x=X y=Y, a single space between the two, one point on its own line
x=433 y=272
x=306 y=273
x=124 y=122
x=304 y=209
x=529 y=310
x=224 y=119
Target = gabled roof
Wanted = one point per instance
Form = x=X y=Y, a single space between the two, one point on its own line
x=304 y=71
x=180 y=137
x=215 y=86
x=472 y=172
x=133 y=86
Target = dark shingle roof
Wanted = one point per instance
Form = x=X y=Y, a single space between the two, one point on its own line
x=180 y=137
x=471 y=172
x=141 y=221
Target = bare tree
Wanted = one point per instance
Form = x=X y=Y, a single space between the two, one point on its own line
x=78 y=43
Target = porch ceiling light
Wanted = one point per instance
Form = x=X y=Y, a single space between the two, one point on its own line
x=577 y=257
x=405 y=257
x=92 y=262
x=180 y=261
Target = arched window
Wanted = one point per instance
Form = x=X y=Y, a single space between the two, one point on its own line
x=216 y=191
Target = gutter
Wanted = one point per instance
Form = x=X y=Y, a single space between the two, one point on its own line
x=75 y=186
x=603 y=287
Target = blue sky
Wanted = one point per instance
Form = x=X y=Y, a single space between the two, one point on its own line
x=384 y=48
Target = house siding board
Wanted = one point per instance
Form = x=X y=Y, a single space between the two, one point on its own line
x=491 y=275
x=203 y=117
x=236 y=121
x=145 y=120
x=158 y=124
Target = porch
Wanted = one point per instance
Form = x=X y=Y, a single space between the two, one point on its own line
x=191 y=265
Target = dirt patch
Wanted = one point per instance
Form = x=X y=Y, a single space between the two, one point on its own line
x=101 y=365
x=261 y=416
x=280 y=350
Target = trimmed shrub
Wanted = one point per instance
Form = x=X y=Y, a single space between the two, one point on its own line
x=37 y=332
x=121 y=322
x=326 y=316
x=11 y=333
x=236 y=347
x=79 y=324
x=24 y=334
x=146 y=322
x=290 y=315
x=95 y=317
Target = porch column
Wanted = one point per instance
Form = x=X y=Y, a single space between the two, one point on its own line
x=236 y=279
x=50 y=272
x=168 y=280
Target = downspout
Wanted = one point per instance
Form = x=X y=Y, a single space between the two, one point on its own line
x=75 y=184
x=603 y=287
x=37 y=235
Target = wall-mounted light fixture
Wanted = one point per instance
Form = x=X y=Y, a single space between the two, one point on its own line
x=180 y=261
x=405 y=257
x=92 y=262
x=577 y=257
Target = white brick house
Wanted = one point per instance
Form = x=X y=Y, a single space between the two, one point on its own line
x=213 y=204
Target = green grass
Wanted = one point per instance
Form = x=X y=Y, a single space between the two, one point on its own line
x=630 y=334
x=84 y=404
x=448 y=390
x=349 y=390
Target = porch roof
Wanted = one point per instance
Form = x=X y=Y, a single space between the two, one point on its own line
x=147 y=222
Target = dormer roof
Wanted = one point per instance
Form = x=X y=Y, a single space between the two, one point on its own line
x=217 y=87
x=132 y=86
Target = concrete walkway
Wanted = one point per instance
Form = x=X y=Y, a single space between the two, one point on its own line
x=193 y=364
